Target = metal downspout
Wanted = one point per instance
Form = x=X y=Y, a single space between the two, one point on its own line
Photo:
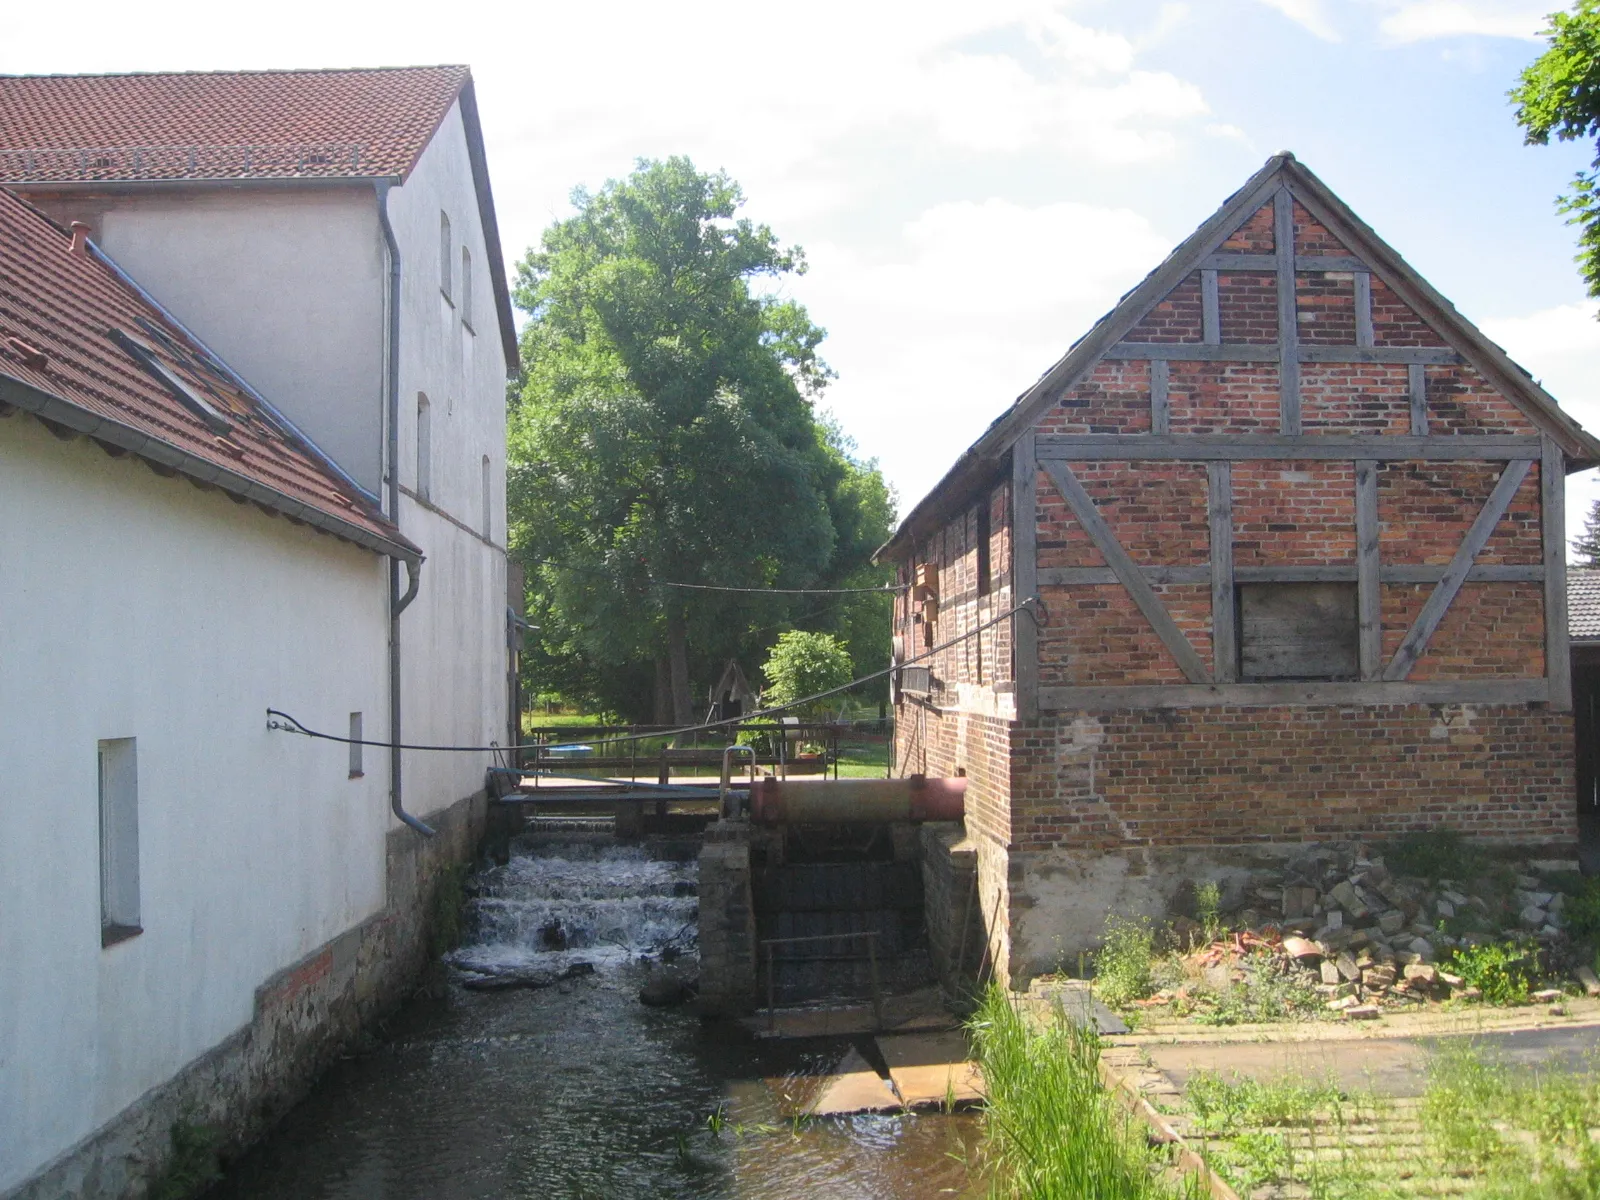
x=397 y=599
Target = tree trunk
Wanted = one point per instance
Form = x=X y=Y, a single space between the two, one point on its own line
x=662 y=712
x=678 y=657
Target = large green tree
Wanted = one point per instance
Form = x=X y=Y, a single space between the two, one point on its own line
x=1559 y=95
x=664 y=434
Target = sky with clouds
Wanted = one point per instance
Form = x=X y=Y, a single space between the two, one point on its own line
x=974 y=183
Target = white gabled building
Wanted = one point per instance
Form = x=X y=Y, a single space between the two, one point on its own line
x=288 y=288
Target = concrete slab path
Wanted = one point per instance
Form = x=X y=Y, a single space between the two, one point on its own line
x=854 y=1087
x=931 y=1069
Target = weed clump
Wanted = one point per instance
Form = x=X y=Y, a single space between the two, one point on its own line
x=1502 y=971
x=1122 y=965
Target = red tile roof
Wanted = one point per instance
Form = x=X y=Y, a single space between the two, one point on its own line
x=72 y=336
x=366 y=123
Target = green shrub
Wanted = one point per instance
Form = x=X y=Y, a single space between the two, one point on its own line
x=1582 y=912
x=1503 y=971
x=1122 y=965
x=803 y=664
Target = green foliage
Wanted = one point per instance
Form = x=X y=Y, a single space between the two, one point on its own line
x=803 y=664
x=1272 y=990
x=1055 y=1133
x=1559 y=95
x=193 y=1166
x=444 y=916
x=1435 y=854
x=1503 y=971
x=1586 y=546
x=1208 y=908
x=1122 y=965
x=1582 y=911
x=664 y=432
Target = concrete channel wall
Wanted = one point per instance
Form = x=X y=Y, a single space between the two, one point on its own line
x=305 y=1016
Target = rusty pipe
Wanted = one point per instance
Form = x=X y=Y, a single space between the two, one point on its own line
x=846 y=801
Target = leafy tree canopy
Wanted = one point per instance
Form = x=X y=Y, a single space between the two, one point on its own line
x=803 y=664
x=664 y=434
x=1559 y=95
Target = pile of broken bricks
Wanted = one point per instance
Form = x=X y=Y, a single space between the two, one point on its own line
x=1366 y=938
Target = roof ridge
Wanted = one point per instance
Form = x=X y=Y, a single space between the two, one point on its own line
x=236 y=72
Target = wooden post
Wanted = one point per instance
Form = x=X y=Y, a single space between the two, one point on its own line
x=1224 y=632
x=1210 y=309
x=1417 y=378
x=1553 y=501
x=1025 y=575
x=1369 y=581
x=1288 y=315
x=1160 y=412
x=1363 y=308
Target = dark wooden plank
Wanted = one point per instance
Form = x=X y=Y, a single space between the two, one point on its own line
x=1160 y=416
x=1288 y=315
x=1417 y=380
x=1553 y=500
x=1269 y=262
x=1210 y=309
x=1415 y=642
x=1219 y=511
x=1225 y=447
x=1259 y=695
x=1387 y=573
x=1298 y=631
x=1024 y=574
x=1363 y=308
x=1263 y=353
x=1369 y=592
x=1128 y=574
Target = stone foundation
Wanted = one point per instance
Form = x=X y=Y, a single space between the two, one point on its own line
x=727 y=922
x=305 y=1016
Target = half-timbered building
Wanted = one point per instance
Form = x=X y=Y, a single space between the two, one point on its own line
x=1281 y=540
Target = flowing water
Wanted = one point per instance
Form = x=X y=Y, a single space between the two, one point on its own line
x=576 y=1089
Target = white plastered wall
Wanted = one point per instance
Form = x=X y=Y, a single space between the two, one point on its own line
x=138 y=606
x=286 y=285
x=454 y=634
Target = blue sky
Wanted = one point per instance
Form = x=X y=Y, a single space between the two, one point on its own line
x=974 y=183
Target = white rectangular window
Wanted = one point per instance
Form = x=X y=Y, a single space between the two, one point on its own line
x=445 y=249
x=119 y=841
x=355 y=746
x=424 y=448
x=466 y=288
x=488 y=503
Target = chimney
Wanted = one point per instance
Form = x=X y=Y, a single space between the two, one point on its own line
x=80 y=239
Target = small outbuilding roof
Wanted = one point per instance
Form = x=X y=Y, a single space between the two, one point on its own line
x=84 y=351
x=1583 y=604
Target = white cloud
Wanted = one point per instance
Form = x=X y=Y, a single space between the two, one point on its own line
x=1430 y=19
x=935 y=336
x=1312 y=15
x=1561 y=348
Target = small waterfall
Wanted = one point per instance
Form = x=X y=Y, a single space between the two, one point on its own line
x=561 y=900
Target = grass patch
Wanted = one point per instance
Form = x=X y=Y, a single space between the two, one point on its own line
x=1053 y=1132
x=862 y=758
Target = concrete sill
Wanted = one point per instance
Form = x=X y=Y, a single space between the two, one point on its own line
x=110 y=935
x=363 y=774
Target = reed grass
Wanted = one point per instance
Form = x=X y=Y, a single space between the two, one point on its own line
x=1052 y=1132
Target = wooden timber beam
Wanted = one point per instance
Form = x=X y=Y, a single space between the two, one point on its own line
x=1553 y=504
x=1224 y=632
x=1363 y=285
x=1160 y=408
x=1262 y=695
x=1127 y=572
x=1288 y=315
x=1387 y=573
x=1269 y=262
x=1268 y=352
x=1210 y=310
x=1369 y=577
x=1234 y=448
x=1024 y=575
x=1417 y=386
x=1444 y=592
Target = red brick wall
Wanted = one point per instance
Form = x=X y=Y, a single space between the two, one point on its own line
x=1217 y=776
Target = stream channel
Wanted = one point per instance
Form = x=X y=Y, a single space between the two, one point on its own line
x=577 y=1090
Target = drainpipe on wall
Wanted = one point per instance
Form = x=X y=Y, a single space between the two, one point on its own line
x=397 y=600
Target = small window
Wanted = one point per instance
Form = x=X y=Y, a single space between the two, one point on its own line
x=488 y=500
x=466 y=288
x=445 y=250
x=1297 y=631
x=119 y=841
x=424 y=449
x=355 y=746
x=984 y=582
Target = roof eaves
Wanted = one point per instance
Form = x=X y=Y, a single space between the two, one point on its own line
x=53 y=408
x=491 y=228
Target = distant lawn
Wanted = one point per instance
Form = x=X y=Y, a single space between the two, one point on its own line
x=547 y=720
x=861 y=758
